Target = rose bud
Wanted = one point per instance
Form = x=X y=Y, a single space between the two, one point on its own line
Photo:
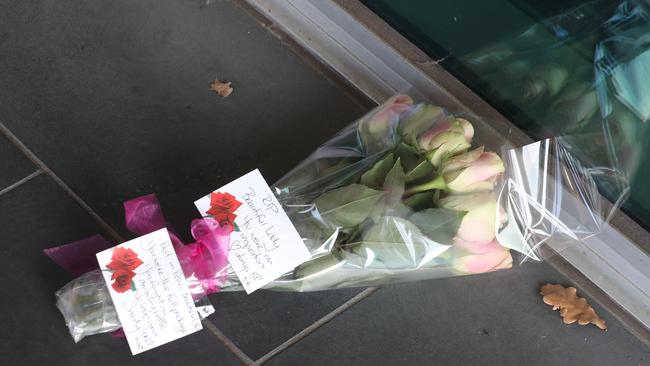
x=387 y=114
x=473 y=171
x=448 y=137
x=475 y=247
x=419 y=120
x=480 y=222
x=474 y=257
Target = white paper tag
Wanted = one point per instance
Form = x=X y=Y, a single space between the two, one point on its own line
x=265 y=244
x=149 y=291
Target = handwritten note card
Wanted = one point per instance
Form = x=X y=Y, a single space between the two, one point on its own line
x=149 y=291
x=265 y=244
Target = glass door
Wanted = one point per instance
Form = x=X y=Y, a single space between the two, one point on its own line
x=555 y=68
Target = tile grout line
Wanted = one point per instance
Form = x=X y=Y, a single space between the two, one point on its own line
x=317 y=324
x=21 y=181
x=100 y=221
x=232 y=347
x=103 y=224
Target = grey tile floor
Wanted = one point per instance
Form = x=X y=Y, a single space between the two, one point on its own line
x=109 y=100
x=15 y=166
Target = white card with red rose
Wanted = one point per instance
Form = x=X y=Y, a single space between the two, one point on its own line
x=264 y=244
x=149 y=291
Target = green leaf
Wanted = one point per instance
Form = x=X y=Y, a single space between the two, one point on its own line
x=397 y=243
x=409 y=155
x=375 y=176
x=420 y=201
x=394 y=183
x=132 y=285
x=411 y=141
x=421 y=171
x=391 y=203
x=376 y=133
x=315 y=234
x=339 y=165
x=439 y=224
x=436 y=198
x=421 y=120
x=343 y=176
x=347 y=206
x=318 y=266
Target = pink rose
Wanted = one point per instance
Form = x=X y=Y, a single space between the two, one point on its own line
x=475 y=247
x=479 y=223
x=446 y=138
x=387 y=114
x=491 y=257
x=419 y=120
x=473 y=171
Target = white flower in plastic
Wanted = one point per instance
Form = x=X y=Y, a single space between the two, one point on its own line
x=473 y=171
x=476 y=249
x=446 y=138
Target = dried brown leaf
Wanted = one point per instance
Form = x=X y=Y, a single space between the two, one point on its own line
x=222 y=88
x=572 y=308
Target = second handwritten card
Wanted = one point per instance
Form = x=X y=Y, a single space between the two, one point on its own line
x=265 y=244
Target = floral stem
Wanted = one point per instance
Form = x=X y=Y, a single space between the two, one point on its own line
x=438 y=183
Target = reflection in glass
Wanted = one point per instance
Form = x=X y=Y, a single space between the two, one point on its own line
x=580 y=72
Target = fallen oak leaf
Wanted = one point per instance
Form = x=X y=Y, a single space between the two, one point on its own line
x=222 y=88
x=572 y=308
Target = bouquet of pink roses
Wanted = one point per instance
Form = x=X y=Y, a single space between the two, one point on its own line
x=399 y=195
x=85 y=302
x=402 y=194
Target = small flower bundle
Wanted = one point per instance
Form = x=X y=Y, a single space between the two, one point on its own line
x=85 y=301
x=399 y=195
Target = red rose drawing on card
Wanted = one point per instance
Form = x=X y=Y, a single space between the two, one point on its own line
x=123 y=280
x=123 y=263
x=124 y=259
x=223 y=207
